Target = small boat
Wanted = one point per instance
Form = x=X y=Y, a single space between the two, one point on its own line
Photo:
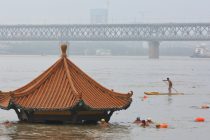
x=201 y=52
x=159 y=93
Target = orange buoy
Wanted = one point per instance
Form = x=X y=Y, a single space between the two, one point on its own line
x=199 y=119
x=162 y=125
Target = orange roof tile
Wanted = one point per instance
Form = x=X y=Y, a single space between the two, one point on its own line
x=62 y=87
x=4 y=100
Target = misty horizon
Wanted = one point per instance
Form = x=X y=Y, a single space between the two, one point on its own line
x=119 y=11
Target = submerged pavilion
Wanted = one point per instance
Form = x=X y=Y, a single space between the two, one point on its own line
x=64 y=93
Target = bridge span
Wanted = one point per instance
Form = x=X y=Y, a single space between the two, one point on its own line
x=153 y=33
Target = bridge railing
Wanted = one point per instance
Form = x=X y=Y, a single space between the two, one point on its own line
x=107 y=32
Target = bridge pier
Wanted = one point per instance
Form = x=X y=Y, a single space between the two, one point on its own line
x=153 y=49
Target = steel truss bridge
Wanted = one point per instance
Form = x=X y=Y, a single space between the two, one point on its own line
x=107 y=32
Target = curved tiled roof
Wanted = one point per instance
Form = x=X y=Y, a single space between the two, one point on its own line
x=63 y=86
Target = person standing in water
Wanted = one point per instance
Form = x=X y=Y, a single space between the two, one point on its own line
x=169 y=85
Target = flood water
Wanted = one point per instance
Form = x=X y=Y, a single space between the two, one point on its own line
x=140 y=74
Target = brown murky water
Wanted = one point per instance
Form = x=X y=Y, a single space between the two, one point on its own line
x=190 y=76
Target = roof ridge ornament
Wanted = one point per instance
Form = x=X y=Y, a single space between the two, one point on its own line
x=63 y=50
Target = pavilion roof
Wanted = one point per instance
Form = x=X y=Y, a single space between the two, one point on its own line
x=64 y=86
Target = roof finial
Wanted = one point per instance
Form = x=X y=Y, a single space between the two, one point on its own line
x=63 y=49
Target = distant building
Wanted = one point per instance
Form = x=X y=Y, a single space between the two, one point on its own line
x=103 y=52
x=99 y=16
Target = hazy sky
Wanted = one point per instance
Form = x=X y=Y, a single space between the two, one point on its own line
x=78 y=11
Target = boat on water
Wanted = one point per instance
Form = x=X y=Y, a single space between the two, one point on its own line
x=159 y=93
x=201 y=52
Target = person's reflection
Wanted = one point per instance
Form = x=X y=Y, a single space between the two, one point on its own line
x=170 y=100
